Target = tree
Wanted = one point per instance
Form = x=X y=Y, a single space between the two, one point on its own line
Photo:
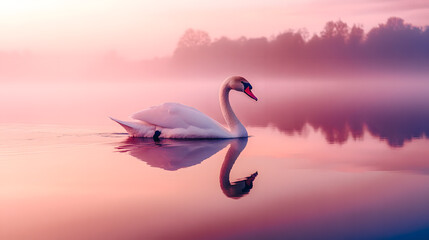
x=396 y=24
x=194 y=38
x=337 y=29
x=356 y=36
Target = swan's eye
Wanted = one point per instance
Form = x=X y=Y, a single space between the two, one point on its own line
x=246 y=85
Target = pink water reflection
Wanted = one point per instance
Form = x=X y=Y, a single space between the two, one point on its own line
x=73 y=183
x=338 y=160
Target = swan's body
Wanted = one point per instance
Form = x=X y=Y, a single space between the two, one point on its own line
x=175 y=120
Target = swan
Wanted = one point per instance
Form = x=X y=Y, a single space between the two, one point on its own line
x=174 y=120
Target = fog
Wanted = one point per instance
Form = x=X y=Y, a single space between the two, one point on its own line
x=339 y=50
x=342 y=81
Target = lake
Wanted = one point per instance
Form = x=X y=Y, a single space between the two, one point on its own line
x=325 y=160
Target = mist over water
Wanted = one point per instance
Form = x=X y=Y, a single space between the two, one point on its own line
x=391 y=108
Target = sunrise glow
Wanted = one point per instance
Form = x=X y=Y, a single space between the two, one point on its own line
x=197 y=119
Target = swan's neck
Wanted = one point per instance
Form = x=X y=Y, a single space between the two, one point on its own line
x=235 y=126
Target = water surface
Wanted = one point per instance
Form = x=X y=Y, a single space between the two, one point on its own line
x=325 y=160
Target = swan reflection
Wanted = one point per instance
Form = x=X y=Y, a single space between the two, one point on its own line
x=239 y=188
x=174 y=154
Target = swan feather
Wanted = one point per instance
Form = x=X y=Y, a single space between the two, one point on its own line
x=181 y=121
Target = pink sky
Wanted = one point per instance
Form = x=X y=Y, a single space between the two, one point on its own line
x=144 y=29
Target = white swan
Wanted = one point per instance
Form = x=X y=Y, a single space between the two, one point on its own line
x=174 y=120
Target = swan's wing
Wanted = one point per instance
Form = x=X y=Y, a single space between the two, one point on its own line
x=175 y=116
x=137 y=129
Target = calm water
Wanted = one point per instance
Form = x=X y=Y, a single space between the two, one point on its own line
x=326 y=160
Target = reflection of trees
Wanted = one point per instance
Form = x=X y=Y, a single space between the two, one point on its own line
x=399 y=125
x=340 y=119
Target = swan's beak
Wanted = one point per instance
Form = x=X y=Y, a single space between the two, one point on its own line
x=250 y=94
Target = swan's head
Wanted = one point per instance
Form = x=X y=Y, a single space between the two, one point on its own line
x=242 y=85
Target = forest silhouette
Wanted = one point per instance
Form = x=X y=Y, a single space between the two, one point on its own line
x=338 y=49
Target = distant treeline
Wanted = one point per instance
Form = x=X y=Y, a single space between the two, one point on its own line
x=338 y=48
